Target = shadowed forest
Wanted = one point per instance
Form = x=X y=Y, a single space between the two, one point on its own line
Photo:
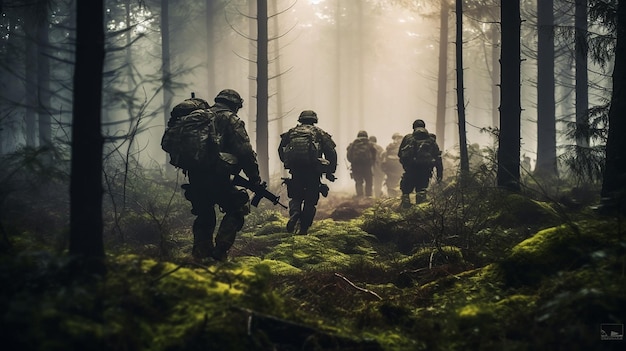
x=520 y=247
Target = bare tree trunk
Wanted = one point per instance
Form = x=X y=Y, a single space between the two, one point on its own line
x=546 y=114
x=43 y=74
x=495 y=75
x=582 y=81
x=613 y=188
x=442 y=75
x=30 y=76
x=460 y=96
x=262 y=96
x=508 y=174
x=210 y=57
x=166 y=74
x=86 y=165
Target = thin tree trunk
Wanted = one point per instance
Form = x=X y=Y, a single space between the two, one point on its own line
x=166 y=74
x=210 y=57
x=43 y=74
x=613 y=188
x=460 y=96
x=442 y=74
x=262 y=90
x=495 y=75
x=508 y=174
x=86 y=165
x=582 y=81
x=546 y=114
x=30 y=75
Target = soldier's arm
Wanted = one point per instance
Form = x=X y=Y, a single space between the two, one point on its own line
x=240 y=144
x=328 y=148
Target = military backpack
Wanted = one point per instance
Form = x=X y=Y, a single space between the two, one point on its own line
x=360 y=151
x=191 y=138
x=302 y=148
x=420 y=151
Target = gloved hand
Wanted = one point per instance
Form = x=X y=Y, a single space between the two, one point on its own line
x=255 y=180
x=331 y=177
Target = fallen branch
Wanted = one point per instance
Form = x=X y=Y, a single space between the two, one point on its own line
x=357 y=287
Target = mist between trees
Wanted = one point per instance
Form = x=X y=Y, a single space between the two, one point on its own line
x=361 y=65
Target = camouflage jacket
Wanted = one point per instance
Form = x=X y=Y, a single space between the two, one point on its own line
x=235 y=140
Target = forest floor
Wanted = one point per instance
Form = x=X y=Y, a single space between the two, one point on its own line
x=470 y=269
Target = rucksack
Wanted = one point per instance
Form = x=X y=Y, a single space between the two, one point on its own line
x=360 y=151
x=391 y=161
x=420 y=151
x=303 y=148
x=191 y=138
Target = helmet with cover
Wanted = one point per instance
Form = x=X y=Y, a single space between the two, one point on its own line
x=308 y=116
x=230 y=98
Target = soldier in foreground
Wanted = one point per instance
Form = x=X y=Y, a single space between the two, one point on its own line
x=307 y=152
x=211 y=185
x=418 y=154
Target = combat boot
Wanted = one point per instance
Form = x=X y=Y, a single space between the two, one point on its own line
x=291 y=223
x=405 y=201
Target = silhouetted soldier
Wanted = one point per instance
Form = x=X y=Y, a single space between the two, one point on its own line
x=307 y=151
x=377 y=172
x=418 y=155
x=391 y=165
x=210 y=186
x=362 y=155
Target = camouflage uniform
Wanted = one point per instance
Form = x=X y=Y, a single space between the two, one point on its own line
x=304 y=186
x=417 y=178
x=212 y=186
x=362 y=169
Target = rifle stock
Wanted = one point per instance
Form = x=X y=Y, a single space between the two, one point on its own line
x=260 y=191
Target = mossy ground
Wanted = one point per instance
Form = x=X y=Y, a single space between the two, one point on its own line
x=489 y=272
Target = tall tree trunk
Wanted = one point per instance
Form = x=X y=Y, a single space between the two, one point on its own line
x=30 y=75
x=210 y=57
x=43 y=74
x=442 y=74
x=460 y=96
x=262 y=90
x=495 y=76
x=546 y=114
x=582 y=81
x=508 y=174
x=278 y=77
x=166 y=74
x=360 y=37
x=613 y=188
x=87 y=142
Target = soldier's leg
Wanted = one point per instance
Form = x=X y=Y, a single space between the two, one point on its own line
x=358 y=182
x=236 y=207
x=407 y=184
x=368 y=178
x=295 y=191
x=421 y=184
x=203 y=228
x=311 y=198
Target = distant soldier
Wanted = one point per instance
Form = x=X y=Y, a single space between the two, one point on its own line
x=419 y=154
x=391 y=165
x=377 y=172
x=362 y=155
x=308 y=152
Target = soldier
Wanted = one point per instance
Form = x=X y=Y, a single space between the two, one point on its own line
x=362 y=155
x=307 y=151
x=418 y=155
x=391 y=165
x=378 y=176
x=212 y=186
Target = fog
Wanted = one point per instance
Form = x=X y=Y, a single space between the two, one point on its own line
x=376 y=74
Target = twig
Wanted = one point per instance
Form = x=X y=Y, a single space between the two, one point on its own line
x=357 y=287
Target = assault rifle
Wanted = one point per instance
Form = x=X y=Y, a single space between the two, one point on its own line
x=260 y=191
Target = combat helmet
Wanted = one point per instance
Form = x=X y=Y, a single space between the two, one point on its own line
x=230 y=97
x=419 y=123
x=361 y=134
x=308 y=115
x=396 y=136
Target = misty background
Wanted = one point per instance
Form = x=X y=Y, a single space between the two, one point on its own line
x=361 y=65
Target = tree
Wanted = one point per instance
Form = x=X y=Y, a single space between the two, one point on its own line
x=508 y=174
x=459 y=87
x=546 y=115
x=262 y=92
x=442 y=75
x=166 y=66
x=613 y=188
x=582 y=80
x=87 y=142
